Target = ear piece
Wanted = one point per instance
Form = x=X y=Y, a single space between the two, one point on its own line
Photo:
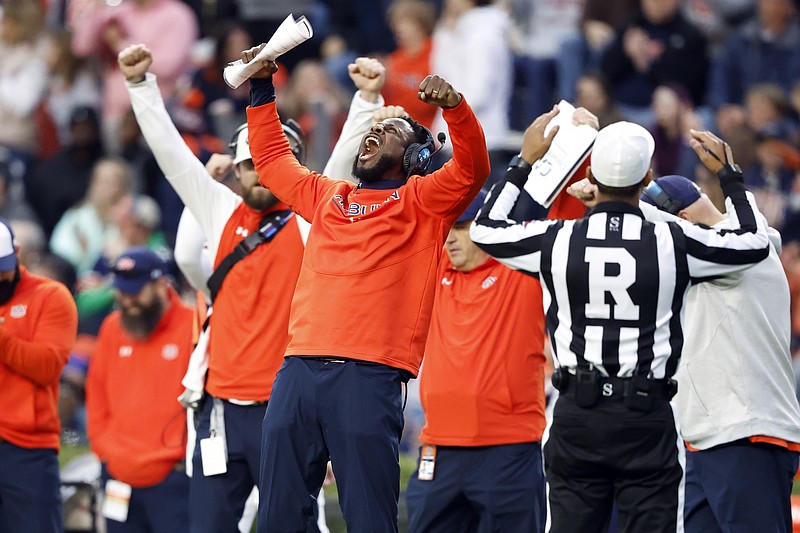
x=417 y=157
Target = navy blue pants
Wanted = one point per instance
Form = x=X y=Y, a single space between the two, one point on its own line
x=30 y=490
x=483 y=489
x=740 y=486
x=216 y=502
x=162 y=508
x=351 y=412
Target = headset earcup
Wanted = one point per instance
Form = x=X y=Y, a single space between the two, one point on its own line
x=410 y=157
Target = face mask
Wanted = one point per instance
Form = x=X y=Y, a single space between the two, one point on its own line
x=7 y=288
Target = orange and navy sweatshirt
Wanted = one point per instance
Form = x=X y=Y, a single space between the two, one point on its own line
x=134 y=422
x=368 y=277
x=38 y=326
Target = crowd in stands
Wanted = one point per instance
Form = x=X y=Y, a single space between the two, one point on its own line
x=79 y=184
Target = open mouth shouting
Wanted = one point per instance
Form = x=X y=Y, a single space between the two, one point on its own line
x=370 y=146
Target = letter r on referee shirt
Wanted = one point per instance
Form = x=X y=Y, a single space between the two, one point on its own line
x=600 y=283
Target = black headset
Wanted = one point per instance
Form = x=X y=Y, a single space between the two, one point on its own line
x=293 y=132
x=417 y=157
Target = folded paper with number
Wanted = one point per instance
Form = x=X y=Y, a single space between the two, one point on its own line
x=289 y=34
x=570 y=148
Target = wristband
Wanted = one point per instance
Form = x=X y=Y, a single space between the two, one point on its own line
x=730 y=172
x=518 y=162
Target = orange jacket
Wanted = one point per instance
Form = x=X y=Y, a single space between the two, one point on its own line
x=369 y=271
x=482 y=383
x=37 y=331
x=250 y=321
x=135 y=424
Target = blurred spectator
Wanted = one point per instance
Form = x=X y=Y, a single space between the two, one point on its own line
x=31 y=243
x=412 y=23
x=262 y=17
x=136 y=427
x=471 y=51
x=12 y=208
x=542 y=25
x=673 y=115
x=336 y=54
x=364 y=22
x=137 y=218
x=71 y=84
x=657 y=47
x=717 y=18
x=85 y=229
x=765 y=50
x=771 y=175
x=581 y=53
x=220 y=107
x=23 y=76
x=57 y=183
x=319 y=106
x=593 y=93
x=168 y=27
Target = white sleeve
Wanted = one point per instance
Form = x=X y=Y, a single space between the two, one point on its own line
x=211 y=202
x=359 y=121
x=191 y=253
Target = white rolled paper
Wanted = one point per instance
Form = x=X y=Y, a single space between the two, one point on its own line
x=289 y=34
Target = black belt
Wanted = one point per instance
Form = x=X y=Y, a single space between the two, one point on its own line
x=617 y=389
x=337 y=360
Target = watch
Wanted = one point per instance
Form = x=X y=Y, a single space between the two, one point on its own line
x=729 y=171
x=518 y=162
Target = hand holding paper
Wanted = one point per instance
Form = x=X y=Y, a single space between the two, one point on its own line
x=569 y=148
x=289 y=34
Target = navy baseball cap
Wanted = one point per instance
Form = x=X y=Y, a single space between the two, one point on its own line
x=8 y=247
x=473 y=208
x=135 y=268
x=671 y=193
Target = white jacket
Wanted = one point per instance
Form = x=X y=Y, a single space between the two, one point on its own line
x=735 y=379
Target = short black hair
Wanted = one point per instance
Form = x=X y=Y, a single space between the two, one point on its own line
x=421 y=133
x=630 y=190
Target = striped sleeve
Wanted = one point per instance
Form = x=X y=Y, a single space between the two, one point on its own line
x=516 y=245
x=712 y=253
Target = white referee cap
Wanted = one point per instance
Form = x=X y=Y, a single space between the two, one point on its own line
x=621 y=154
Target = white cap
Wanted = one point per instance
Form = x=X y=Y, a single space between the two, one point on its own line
x=242 y=147
x=621 y=154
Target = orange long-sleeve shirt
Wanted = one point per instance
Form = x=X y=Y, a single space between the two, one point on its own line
x=250 y=321
x=368 y=278
x=135 y=424
x=38 y=326
x=483 y=379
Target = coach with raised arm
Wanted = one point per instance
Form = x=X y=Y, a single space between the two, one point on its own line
x=362 y=304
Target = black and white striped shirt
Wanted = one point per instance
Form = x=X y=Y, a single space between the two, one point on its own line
x=613 y=283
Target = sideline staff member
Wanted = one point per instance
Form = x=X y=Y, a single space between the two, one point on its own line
x=614 y=287
x=371 y=259
x=136 y=427
x=737 y=404
x=38 y=325
x=482 y=389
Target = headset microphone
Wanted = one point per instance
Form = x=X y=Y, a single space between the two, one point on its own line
x=442 y=138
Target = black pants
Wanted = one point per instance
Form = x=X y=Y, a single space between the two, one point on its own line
x=609 y=453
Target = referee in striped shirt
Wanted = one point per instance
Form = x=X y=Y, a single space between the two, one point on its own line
x=614 y=286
